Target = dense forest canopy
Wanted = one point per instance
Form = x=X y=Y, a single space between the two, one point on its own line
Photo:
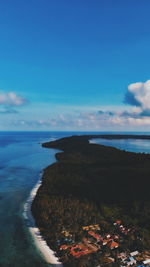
x=93 y=183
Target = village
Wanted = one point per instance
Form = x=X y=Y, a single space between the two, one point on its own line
x=110 y=247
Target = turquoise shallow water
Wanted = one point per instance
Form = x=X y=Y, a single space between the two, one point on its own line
x=22 y=160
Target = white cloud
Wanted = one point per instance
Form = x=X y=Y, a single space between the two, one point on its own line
x=138 y=94
x=11 y=99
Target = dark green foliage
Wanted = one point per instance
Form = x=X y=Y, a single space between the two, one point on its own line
x=92 y=184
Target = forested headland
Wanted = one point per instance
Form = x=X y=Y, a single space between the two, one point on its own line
x=93 y=184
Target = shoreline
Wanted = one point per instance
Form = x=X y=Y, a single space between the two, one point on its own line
x=85 y=190
x=47 y=254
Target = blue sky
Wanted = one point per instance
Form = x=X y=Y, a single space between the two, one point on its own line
x=75 y=65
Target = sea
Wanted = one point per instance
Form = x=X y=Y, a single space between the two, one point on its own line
x=22 y=160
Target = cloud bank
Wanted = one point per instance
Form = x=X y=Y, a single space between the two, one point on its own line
x=135 y=115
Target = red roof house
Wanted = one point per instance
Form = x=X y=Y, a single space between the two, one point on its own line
x=113 y=245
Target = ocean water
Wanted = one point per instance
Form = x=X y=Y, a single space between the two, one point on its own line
x=22 y=160
x=131 y=145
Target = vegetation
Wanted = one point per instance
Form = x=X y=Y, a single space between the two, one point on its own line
x=93 y=184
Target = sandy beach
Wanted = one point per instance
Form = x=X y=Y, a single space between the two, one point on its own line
x=47 y=253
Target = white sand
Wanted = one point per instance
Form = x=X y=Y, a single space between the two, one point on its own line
x=40 y=243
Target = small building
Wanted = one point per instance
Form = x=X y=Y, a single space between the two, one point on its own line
x=131 y=261
x=105 y=241
x=134 y=253
x=96 y=236
x=91 y=227
x=108 y=235
x=66 y=233
x=146 y=261
x=122 y=256
x=116 y=237
x=64 y=247
x=86 y=228
x=113 y=245
x=80 y=250
x=118 y=222
x=111 y=259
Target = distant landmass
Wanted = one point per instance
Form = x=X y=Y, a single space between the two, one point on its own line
x=94 y=203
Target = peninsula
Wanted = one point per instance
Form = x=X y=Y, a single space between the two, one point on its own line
x=93 y=207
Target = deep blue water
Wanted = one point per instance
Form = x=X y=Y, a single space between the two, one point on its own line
x=22 y=159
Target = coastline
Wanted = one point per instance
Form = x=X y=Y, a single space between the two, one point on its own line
x=106 y=177
x=47 y=254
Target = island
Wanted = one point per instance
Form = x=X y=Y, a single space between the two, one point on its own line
x=93 y=206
